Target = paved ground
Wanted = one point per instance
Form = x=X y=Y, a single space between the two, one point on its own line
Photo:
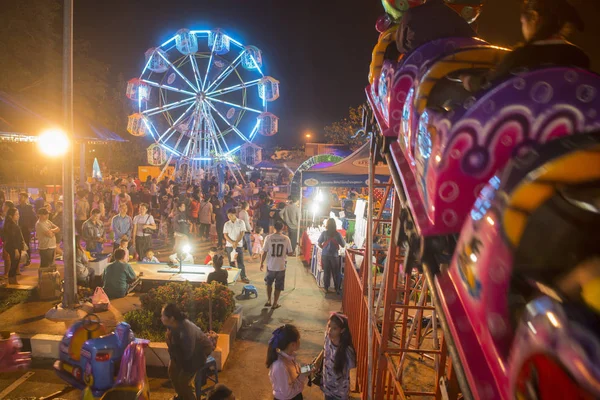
x=304 y=305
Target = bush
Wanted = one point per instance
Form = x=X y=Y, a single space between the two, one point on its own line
x=195 y=301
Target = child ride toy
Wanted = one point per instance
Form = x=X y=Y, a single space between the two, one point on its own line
x=91 y=358
x=131 y=383
x=11 y=356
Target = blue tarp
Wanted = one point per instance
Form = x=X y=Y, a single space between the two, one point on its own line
x=352 y=171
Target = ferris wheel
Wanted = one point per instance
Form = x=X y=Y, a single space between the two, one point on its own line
x=201 y=96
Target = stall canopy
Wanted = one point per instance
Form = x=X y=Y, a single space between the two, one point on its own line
x=352 y=171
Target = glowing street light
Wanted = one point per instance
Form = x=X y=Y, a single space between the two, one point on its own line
x=308 y=135
x=53 y=142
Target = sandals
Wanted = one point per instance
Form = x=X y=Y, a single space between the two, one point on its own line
x=275 y=306
x=268 y=304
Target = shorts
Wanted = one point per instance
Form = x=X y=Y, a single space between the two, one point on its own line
x=278 y=277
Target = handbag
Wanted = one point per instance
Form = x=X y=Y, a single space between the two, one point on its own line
x=317 y=377
x=100 y=300
x=147 y=231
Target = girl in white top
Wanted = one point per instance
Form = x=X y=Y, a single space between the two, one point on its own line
x=284 y=371
x=257 y=242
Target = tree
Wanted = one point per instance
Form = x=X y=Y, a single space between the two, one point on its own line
x=345 y=130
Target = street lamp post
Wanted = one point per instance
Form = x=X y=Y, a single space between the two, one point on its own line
x=67 y=309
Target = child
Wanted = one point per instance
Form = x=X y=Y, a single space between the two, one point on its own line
x=339 y=357
x=218 y=275
x=284 y=371
x=124 y=244
x=150 y=259
x=211 y=255
x=257 y=242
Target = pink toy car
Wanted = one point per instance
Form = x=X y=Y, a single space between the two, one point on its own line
x=11 y=358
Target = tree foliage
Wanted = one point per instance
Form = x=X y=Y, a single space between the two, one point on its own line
x=345 y=130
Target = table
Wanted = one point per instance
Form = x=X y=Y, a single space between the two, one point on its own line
x=193 y=273
x=99 y=264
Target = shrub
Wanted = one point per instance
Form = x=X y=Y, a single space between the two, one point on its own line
x=195 y=301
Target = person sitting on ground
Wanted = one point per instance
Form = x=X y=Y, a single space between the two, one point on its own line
x=189 y=348
x=211 y=254
x=221 y=392
x=85 y=274
x=545 y=25
x=427 y=22
x=149 y=258
x=117 y=276
x=219 y=274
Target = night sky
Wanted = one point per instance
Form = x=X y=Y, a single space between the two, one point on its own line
x=320 y=50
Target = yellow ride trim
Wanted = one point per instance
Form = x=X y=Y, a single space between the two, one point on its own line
x=385 y=39
x=573 y=168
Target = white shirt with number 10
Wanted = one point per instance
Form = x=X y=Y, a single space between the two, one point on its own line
x=277 y=246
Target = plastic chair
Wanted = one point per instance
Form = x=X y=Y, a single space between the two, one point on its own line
x=248 y=290
x=210 y=372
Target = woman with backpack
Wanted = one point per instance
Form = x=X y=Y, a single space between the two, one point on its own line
x=189 y=348
x=330 y=242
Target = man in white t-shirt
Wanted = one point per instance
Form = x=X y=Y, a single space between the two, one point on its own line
x=233 y=231
x=275 y=250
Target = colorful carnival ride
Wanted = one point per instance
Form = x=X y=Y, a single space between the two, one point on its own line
x=201 y=95
x=103 y=365
x=497 y=206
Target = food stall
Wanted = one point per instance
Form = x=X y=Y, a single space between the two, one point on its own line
x=351 y=172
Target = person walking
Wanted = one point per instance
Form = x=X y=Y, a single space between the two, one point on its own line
x=219 y=219
x=339 y=357
x=188 y=347
x=244 y=216
x=233 y=230
x=27 y=221
x=46 y=231
x=143 y=227
x=14 y=243
x=205 y=218
x=121 y=225
x=93 y=233
x=284 y=371
x=331 y=241
x=181 y=226
x=291 y=218
x=276 y=249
